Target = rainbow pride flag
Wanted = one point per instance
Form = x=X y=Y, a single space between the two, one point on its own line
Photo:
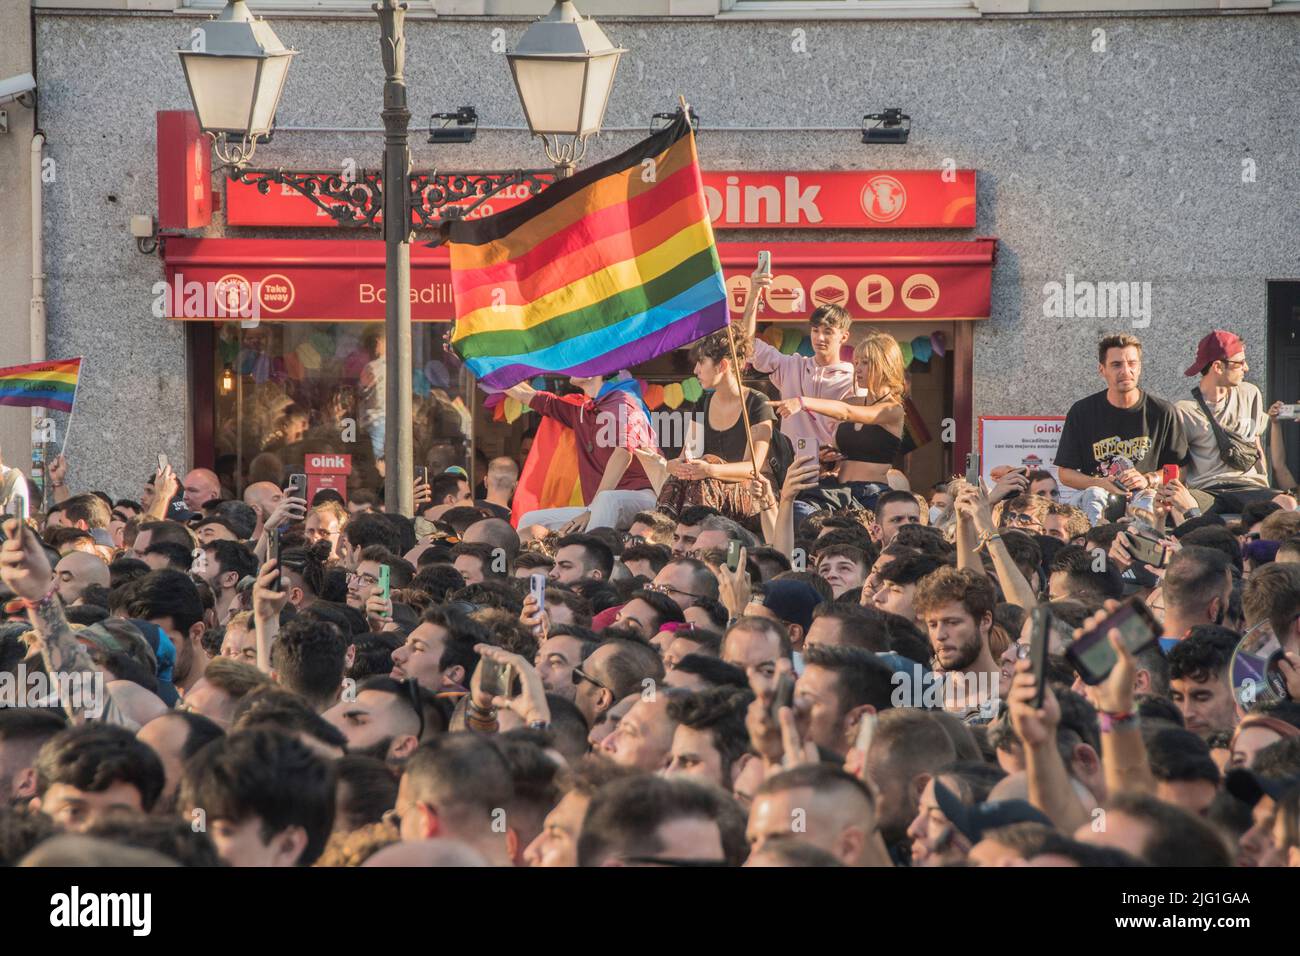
x=600 y=272
x=51 y=385
x=550 y=475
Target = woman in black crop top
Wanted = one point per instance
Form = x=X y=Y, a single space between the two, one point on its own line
x=714 y=467
x=871 y=435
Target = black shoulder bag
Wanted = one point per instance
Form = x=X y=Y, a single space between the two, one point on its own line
x=1234 y=451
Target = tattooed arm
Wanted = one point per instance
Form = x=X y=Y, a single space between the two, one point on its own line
x=26 y=570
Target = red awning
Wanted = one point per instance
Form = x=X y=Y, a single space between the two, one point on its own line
x=340 y=280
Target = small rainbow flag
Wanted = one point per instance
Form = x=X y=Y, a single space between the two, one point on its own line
x=51 y=385
x=600 y=272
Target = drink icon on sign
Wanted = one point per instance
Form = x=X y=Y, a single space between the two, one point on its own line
x=737 y=293
x=875 y=293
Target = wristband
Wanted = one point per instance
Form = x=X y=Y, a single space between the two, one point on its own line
x=1117 y=721
x=1192 y=512
x=986 y=537
x=42 y=602
x=539 y=725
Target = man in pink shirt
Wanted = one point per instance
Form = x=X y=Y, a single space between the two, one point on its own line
x=823 y=375
x=610 y=425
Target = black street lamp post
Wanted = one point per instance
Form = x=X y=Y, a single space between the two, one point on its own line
x=236 y=69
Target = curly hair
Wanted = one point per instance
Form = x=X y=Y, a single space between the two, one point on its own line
x=948 y=584
x=715 y=347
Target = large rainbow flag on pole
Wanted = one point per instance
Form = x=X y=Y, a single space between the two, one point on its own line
x=51 y=385
x=601 y=271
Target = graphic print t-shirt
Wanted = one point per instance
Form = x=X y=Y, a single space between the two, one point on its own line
x=1101 y=440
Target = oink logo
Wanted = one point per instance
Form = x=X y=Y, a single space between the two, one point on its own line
x=74 y=909
x=1082 y=299
x=883 y=199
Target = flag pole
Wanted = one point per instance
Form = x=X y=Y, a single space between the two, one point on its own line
x=67 y=427
x=735 y=358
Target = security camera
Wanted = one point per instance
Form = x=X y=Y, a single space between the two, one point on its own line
x=20 y=88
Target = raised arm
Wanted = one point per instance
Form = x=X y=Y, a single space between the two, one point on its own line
x=1018 y=591
x=800 y=476
x=1049 y=781
x=26 y=571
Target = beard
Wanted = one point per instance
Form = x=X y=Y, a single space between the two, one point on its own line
x=966 y=653
x=378 y=750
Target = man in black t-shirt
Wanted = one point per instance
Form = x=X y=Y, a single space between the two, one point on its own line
x=1116 y=441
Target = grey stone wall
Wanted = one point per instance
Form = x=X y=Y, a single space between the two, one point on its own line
x=1122 y=165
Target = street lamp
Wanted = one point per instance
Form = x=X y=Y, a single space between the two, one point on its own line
x=235 y=67
x=564 y=70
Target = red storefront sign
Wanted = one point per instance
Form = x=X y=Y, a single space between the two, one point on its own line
x=327 y=471
x=342 y=280
x=858 y=199
x=184 y=172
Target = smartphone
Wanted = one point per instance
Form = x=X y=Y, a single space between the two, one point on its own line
x=1147 y=550
x=162 y=461
x=537 y=588
x=17 y=507
x=1092 y=655
x=1040 y=636
x=297 y=487
x=1289 y=413
x=783 y=696
x=385 y=586
x=1168 y=473
x=733 y=556
x=973 y=468
x=496 y=678
x=424 y=474
x=764 y=261
x=273 y=554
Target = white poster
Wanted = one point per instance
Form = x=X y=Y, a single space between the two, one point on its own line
x=1021 y=440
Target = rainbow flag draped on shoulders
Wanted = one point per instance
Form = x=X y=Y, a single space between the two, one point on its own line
x=51 y=385
x=600 y=272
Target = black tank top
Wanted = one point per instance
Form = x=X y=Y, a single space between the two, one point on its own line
x=873 y=444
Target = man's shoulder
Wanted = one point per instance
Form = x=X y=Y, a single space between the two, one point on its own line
x=1087 y=405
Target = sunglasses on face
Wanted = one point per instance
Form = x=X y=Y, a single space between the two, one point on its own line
x=579 y=675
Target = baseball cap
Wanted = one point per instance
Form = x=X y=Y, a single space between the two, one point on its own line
x=974 y=821
x=1249 y=787
x=791 y=601
x=1217 y=346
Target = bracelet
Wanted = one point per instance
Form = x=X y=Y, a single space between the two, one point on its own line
x=1117 y=721
x=41 y=602
x=539 y=725
x=1192 y=513
x=986 y=537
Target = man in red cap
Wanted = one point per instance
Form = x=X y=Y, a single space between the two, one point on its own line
x=1227 y=469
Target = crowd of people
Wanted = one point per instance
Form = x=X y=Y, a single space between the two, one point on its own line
x=770 y=650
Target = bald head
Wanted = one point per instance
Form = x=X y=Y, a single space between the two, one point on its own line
x=201 y=486
x=439 y=852
x=76 y=571
x=262 y=497
x=495 y=533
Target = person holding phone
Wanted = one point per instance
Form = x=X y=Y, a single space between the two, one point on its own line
x=824 y=374
x=868 y=435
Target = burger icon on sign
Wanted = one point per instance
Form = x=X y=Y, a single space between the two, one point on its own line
x=883 y=198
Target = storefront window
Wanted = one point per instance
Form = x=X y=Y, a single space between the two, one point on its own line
x=291 y=389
